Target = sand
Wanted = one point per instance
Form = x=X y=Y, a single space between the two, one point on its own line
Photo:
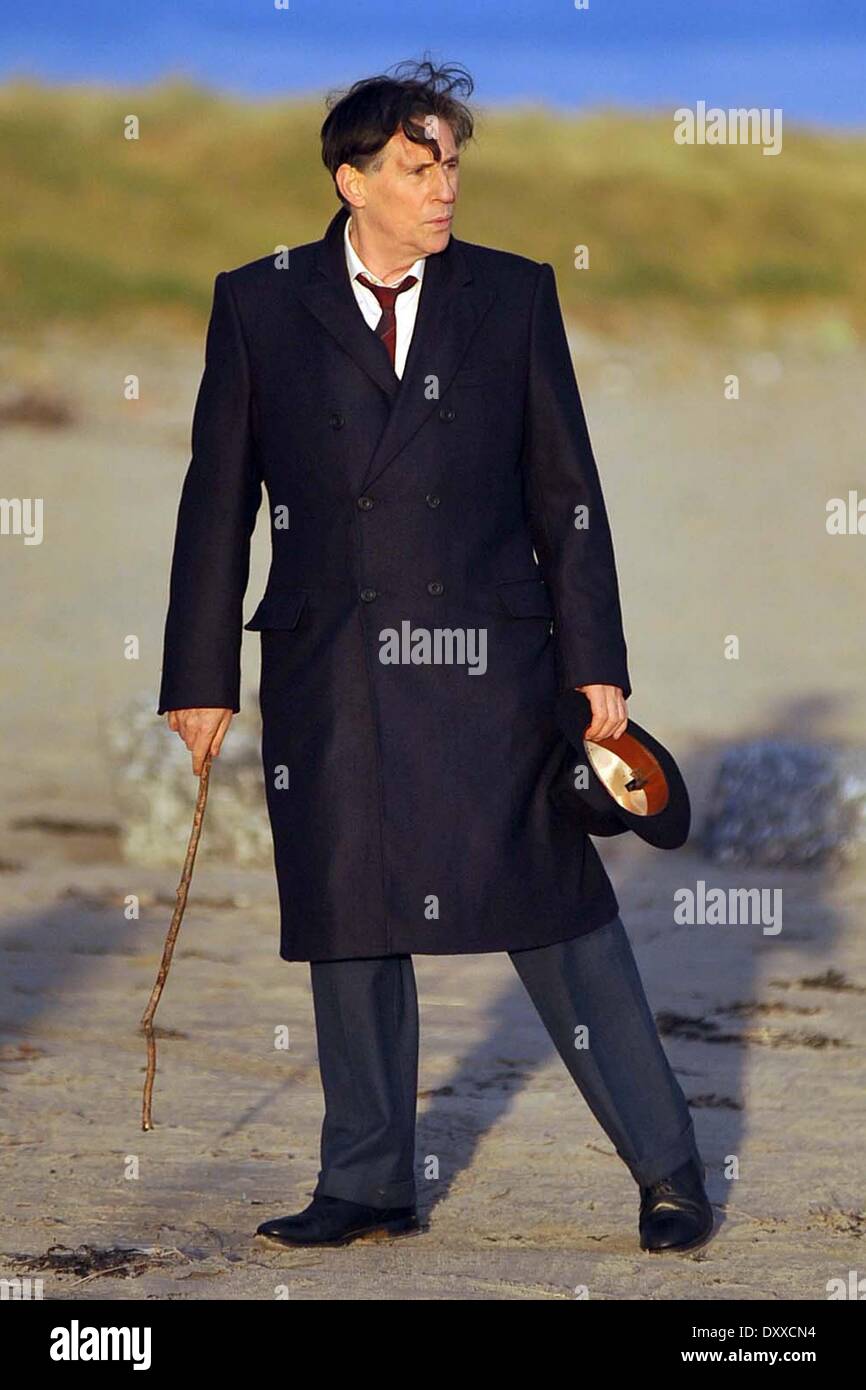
x=717 y=510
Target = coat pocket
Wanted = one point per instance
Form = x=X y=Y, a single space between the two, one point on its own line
x=525 y=598
x=278 y=610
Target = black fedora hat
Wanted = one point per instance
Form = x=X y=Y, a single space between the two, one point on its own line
x=632 y=782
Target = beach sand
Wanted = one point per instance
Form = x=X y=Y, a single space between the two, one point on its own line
x=718 y=516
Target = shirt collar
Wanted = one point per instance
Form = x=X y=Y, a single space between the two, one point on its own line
x=356 y=265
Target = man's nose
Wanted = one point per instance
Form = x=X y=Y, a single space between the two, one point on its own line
x=445 y=189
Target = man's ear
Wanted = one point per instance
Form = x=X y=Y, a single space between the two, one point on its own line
x=350 y=184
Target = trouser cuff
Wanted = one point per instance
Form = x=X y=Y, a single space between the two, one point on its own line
x=355 y=1189
x=666 y=1161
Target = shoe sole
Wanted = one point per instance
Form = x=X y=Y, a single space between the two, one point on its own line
x=703 y=1239
x=390 y=1230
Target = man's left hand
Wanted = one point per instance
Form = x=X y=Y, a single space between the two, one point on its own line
x=609 y=714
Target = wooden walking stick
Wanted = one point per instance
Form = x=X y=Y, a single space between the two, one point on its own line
x=171 y=938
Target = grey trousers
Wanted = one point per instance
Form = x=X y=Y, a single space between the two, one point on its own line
x=366 y=1013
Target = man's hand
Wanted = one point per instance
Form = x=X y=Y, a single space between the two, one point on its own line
x=202 y=730
x=609 y=714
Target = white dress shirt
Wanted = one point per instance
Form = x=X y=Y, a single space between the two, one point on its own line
x=405 y=305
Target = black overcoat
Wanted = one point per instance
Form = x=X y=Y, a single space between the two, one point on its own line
x=435 y=582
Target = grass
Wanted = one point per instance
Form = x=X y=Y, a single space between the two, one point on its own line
x=99 y=227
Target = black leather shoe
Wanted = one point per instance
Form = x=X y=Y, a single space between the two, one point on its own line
x=675 y=1213
x=333 y=1221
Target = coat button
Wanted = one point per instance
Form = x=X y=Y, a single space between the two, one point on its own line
x=432 y=500
x=336 y=420
x=365 y=503
x=367 y=595
x=435 y=587
x=446 y=413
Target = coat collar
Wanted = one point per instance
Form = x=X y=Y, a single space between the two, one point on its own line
x=452 y=304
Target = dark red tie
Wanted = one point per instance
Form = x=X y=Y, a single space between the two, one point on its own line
x=386 y=328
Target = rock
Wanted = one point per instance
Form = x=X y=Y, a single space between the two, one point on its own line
x=33 y=405
x=156 y=790
x=782 y=803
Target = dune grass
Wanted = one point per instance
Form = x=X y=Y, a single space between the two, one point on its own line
x=98 y=227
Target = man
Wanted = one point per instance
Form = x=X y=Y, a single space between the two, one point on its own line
x=442 y=568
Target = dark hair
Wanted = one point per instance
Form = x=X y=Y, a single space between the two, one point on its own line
x=361 y=121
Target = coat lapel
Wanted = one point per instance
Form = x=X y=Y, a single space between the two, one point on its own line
x=450 y=308
x=328 y=294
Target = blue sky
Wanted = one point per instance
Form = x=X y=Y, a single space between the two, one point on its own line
x=806 y=56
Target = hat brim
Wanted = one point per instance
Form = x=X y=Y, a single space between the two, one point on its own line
x=632 y=780
x=572 y=800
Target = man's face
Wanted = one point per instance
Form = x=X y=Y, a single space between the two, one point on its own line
x=409 y=201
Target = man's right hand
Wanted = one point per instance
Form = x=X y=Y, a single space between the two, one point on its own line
x=202 y=730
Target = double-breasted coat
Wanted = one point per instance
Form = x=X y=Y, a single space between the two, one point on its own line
x=442 y=567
